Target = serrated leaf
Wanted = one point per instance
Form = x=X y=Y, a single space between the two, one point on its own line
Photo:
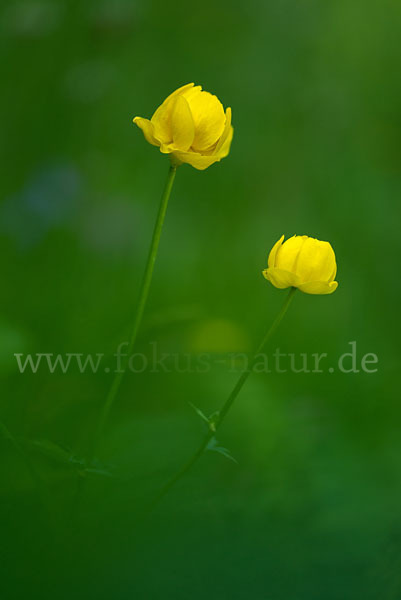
x=213 y=445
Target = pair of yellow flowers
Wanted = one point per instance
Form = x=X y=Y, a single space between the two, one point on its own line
x=192 y=127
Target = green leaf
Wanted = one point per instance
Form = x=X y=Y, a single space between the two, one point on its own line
x=211 y=421
x=64 y=456
x=213 y=445
x=55 y=452
x=199 y=412
x=99 y=472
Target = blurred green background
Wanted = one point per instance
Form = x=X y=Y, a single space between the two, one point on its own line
x=311 y=509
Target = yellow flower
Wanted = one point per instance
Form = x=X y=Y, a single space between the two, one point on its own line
x=302 y=262
x=191 y=126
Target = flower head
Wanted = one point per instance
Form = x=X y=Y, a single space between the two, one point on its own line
x=191 y=126
x=302 y=262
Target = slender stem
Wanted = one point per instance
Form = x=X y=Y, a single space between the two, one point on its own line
x=227 y=405
x=143 y=295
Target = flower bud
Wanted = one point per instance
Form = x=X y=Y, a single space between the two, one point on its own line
x=302 y=262
x=191 y=126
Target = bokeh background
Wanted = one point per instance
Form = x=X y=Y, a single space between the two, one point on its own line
x=311 y=509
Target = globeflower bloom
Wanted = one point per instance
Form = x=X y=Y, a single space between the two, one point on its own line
x=191 y=126
x=302 y=262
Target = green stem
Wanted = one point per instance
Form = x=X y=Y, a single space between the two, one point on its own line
x=143 y=295
x=227 y=405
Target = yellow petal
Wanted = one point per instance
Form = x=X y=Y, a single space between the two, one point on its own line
x=280 y=278
x=222 y=148
x=181 y=90
x=318 y=287
x=148 y=130
x=167 y=148
x=195 y=160
x=225 y=148
x=334 y=272
x=182 y=124
x=316 y=261
x=161 y=121
x=227 y=131
x=287 y=256
x=272 y=256
x=209 y=118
